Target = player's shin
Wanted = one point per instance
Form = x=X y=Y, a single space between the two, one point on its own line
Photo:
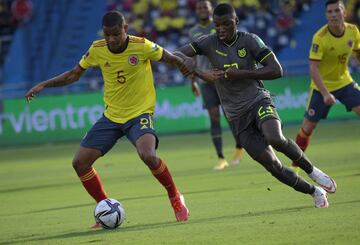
x=215 y=131
x=302 y=139
x=92 y=183
x=290 y=178
x=293 y=151
x=163 y=175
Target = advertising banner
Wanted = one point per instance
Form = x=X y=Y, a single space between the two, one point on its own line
x=68 y=117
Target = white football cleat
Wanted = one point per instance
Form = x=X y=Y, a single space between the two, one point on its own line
x=320 y=198
x=327 y=183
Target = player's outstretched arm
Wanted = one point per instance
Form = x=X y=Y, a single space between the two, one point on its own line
x=271 y=70
x=209 y=75
x=184 y=64
x=63 y=79
x=328 y=98
x=185 y=50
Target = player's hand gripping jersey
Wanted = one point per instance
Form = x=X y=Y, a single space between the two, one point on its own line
x=237 y=96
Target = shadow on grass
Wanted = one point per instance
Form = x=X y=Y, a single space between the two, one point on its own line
x=161 y=225
x=122 y=199
x=132 y=178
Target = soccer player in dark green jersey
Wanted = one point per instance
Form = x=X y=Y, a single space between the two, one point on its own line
x=210 y=97
x=240 y=62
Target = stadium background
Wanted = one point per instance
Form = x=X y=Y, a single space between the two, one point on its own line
x=40 y=39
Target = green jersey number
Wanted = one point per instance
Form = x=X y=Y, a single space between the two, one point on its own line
x=235 y=65
x=264 y=112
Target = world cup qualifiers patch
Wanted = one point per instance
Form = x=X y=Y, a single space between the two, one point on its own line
x=133 y=60
x=315 y=47
x=155 y=47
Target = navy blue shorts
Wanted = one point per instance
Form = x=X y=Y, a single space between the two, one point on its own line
x=349 y=96
x=209 y=95
x=104 y=133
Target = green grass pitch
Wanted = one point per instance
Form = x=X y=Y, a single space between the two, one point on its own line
x=43 y=202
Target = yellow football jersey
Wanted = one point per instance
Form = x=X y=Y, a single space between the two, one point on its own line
x=128 y=80
x=333 y=53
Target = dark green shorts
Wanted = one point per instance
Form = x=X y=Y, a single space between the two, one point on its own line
x=247 y=128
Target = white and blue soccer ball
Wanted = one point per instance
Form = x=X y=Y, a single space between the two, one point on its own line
x=109 y=213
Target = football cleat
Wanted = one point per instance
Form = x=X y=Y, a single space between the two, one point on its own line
x=320 y=198
x=222 y=164
x=238 y=154
x=327 y=183
x=181 y=211
x=96 y=226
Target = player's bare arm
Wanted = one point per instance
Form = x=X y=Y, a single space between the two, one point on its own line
x=208 y=76
x=63 y=79
x=184 y=64
x=194 y=85
x=271 y=70
x=329 y=99
x=357 y=55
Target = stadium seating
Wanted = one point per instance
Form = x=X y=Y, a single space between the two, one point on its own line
x=59 y=32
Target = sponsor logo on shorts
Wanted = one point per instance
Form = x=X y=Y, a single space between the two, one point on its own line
x=311 y=112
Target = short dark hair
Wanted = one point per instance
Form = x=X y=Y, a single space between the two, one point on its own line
x=223 y=9
x=333 y=1
x=113 y=18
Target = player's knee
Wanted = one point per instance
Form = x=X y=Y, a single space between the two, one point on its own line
x=275 y=168
x=79 y=165
x=148 y=157
x=308 y=127
x=276 y=141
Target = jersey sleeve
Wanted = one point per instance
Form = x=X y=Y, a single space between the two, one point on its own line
x=258 y=48
x=152 y=50
x=191 y=35
x=357 y=40
x=201 y=45
x=316 y=50
x=89 y=59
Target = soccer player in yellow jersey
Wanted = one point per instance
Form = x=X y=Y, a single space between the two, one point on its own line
x=331 y=48
x=129 y=97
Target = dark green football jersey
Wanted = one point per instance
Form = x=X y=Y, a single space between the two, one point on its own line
x=246 y=52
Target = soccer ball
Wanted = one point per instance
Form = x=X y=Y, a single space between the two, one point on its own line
x=109 y=213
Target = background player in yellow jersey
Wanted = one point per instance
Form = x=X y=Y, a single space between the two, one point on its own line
x=330 y=51
x=129 y=97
